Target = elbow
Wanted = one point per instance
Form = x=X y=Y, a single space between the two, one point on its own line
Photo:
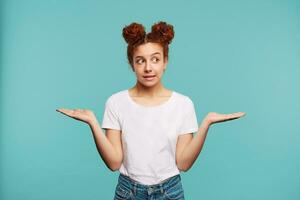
x=115 y=166
x=113 y=169
x=183 y=167
x=115 y=163
x=187 y=168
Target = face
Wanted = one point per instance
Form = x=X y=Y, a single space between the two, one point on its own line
x=149 y=63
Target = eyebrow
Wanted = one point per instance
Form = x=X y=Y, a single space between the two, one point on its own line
x=151 y=55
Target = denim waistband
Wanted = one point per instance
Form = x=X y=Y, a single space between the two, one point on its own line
x=165 y=184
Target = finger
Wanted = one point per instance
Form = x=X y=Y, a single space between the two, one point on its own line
x=239 y=114
x=67 y=112
x=235 y=115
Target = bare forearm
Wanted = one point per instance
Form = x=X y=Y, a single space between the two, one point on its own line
x=104 y=147
x=192 y=150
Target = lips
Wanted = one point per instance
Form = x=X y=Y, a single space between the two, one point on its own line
x=149 y=76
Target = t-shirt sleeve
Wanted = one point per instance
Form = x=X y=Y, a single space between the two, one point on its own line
x=189 y=123
x=111 y=118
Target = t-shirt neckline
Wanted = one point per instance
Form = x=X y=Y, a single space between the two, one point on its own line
x=149 y=107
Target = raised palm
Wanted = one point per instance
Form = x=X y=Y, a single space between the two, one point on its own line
x=83 y=115
x=213 y=117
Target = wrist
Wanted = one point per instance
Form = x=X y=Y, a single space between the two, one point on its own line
x=206 y=123
x=93 y=122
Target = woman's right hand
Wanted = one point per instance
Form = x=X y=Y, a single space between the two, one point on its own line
x=86 y=116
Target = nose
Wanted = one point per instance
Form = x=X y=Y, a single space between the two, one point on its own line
x=148 y=67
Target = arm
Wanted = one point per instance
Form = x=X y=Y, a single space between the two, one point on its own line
x=109 y=146
x=189 y=147
x=192 y=145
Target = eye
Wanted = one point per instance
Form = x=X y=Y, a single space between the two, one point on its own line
x=155 y=59
x=139 y=61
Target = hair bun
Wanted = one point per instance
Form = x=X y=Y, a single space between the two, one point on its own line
x=133 y=33
x=165 y=30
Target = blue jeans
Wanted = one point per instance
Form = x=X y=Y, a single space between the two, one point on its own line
x=169 y=189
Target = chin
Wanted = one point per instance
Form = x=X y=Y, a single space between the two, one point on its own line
x=148 y=84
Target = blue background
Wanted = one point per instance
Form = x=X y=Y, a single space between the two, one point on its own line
x=227 y=56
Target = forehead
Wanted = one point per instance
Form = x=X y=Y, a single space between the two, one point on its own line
x=147 y=49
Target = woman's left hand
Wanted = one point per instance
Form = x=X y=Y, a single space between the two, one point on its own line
x=213 y=117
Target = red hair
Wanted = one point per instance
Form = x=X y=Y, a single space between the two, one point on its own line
x=135 y=35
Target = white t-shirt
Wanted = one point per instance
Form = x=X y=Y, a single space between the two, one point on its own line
x=149 y=134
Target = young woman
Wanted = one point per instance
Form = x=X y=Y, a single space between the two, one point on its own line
x=149 y=128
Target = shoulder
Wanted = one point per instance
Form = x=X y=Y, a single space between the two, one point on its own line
x=116 y=97
x=182 y=98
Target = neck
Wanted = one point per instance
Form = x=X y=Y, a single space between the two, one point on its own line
x=156 y=90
